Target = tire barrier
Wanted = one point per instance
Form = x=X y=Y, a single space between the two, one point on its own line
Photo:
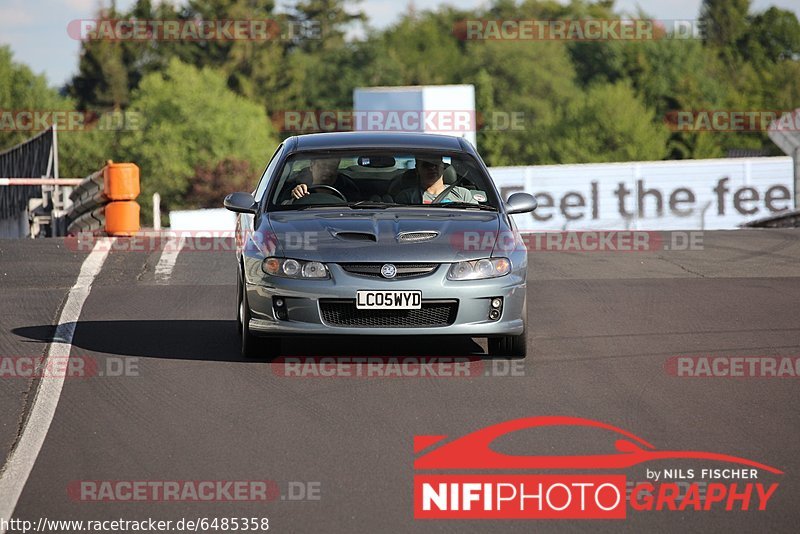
x=105 y=201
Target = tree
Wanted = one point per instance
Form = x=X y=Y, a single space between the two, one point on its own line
x=192 y=120
x=580 y=101
x=421 y=50
x=610 y=124
x=102 y=80
x=595 y=61
x=216 y=52
x=212 y=182
x=82 y=151
x=679 y=75
x=724 y=24
x=774 y=36
x=22 y=90
x=330 y=18
x=535 y=81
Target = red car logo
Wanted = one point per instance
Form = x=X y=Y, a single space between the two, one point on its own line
x=473 y=451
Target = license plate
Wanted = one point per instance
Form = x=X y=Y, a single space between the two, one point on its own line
x=388 y=300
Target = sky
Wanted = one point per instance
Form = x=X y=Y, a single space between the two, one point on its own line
x=36 y=30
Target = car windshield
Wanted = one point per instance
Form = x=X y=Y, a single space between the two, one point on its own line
x=382 y=179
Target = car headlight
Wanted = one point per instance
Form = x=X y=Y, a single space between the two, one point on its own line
x=479 y=269
x=289 y=268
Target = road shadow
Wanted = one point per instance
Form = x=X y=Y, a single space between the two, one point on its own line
x=214 y=340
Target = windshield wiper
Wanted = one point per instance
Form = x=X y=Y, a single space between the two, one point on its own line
x=461 y=205
x=297 y=207
x=366 y=204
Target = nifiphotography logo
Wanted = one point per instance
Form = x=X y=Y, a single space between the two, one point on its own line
x=481 y=483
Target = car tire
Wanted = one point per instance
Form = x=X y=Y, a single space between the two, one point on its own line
x=249 y=342
x=512 y=347
x=239 y=296
x=253 y=347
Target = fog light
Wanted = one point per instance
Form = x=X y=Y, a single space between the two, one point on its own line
x=278 y=304
x=495 y=308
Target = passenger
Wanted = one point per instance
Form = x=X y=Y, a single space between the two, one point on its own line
x=430 y=175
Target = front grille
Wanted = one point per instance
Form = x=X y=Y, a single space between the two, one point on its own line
x=433 y=313
x=404 y=270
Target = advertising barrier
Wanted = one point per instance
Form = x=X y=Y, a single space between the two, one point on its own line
x=712 y=194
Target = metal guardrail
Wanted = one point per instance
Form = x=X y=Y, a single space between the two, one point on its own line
x=45 y=199
x=105 y=201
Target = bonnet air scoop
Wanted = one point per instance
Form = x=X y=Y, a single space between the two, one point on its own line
x=355 y=236
x=416 y=237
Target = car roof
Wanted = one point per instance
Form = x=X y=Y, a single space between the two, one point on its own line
x=343 y=140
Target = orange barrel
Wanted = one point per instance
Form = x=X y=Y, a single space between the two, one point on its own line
x=122 y=218
x=121 y=181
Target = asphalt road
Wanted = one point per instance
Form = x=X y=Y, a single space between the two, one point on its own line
x=601 y=329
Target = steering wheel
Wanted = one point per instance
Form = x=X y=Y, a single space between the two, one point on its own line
x=328 y=188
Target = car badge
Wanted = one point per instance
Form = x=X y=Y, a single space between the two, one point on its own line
x=388 y=270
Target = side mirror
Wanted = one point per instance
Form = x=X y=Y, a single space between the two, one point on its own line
x=521 y=203
x=240 y=203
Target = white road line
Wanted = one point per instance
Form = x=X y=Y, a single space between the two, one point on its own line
x=20 y=461
x=168 y=258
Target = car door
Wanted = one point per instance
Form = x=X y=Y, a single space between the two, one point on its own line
x=245 y=221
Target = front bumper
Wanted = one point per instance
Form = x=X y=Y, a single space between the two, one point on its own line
x=304 y=317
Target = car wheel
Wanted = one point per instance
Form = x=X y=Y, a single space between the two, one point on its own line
x=249 y=341
x=239 y=296
x=513 y=347
x=254 y=346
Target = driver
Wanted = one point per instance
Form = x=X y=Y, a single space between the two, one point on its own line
x=430 y=173
x=324 y=171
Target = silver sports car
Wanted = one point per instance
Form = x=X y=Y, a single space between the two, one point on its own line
x=379 y=234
